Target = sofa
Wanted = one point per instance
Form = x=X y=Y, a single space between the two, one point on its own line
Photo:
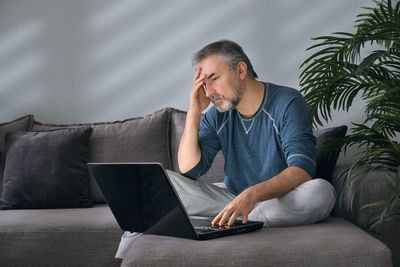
x=56 y=215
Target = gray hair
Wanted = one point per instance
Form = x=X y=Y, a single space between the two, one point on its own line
x=230 y=52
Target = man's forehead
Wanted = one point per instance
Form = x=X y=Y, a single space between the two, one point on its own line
x=212 y=64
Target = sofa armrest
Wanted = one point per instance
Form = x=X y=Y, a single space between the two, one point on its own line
x=351 y=197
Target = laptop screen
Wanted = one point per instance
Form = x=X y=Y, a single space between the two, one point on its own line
x=157 y=198
x=142 y=199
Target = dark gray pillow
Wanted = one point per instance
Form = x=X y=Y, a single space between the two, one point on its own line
x=47 y=169
x=21 y=124
x=327 y=154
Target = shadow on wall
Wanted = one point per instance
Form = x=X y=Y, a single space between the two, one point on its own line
x=93 y=60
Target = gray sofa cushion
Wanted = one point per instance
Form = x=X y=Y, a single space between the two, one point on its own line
x=59 y=237
x=136 y=139
x=352 y=196
x=216 y=172
x=20 y=124
x=47 y=169
x=335 y=242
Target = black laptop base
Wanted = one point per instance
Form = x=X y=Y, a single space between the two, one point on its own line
x=143 y=199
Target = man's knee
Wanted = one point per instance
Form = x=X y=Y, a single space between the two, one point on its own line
x=319 y=198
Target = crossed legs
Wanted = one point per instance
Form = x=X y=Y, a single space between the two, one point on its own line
x=308 y=203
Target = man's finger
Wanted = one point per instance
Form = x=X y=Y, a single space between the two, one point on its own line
x=218 y=217
x=225 y=217
x=196 y=74
x=198 y=84
x=232 y=219
x=201 y=78
x=244 y=218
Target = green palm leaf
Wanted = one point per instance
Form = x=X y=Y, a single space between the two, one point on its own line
x=336 y=74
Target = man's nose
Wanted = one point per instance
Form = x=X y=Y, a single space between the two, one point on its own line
x=207 y=90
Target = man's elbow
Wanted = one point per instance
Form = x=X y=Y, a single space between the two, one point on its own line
x=183 y=168
x=301 y=175
x=304 y=174
x=186 y=165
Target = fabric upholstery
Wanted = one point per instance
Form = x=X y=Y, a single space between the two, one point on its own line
x=136 y=139
x=59 y=237
x=351 y=197
x=47 y=169
x=20 y=124
x=335 y=243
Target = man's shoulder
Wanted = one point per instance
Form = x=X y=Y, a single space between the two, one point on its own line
x=282 y=91
x=279 y=96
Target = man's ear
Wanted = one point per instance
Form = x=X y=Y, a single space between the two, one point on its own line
x=242 y=70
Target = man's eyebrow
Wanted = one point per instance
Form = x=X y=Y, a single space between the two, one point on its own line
x=211 y=75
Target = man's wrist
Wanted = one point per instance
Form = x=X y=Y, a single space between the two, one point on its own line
x=253 y=193
x=193 y=118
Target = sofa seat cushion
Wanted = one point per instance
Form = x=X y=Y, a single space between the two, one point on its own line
x=335 y=242
x=54 y=237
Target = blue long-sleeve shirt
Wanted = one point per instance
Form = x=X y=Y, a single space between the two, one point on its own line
x=255 y=149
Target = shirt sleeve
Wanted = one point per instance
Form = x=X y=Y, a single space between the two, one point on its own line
x=209 y=145
x=298 y=141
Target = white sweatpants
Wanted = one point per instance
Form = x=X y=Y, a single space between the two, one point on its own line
x=308 y=203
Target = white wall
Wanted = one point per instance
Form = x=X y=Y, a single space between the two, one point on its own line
x=98 y=60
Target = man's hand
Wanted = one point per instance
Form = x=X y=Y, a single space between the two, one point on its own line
x=198 y=99
x=241 y=206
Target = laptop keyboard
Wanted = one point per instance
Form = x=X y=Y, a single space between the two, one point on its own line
x=205 y=225
x=202 y=225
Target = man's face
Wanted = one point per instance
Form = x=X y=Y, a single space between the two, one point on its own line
x=222 y=84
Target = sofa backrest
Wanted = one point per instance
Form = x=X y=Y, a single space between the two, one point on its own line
x=21 y=124
x=156 y=137
x=138 y=139
x=216 y=172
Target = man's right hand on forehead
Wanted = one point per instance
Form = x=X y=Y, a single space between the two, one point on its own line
x=198 y=99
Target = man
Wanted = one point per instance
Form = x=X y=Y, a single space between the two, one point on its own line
x=265 y=135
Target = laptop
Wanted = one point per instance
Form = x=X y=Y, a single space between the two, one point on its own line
x=142 y=198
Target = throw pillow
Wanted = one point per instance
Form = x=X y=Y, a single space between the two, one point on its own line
x=20 y=124
x=47 y=169
x=327 y=155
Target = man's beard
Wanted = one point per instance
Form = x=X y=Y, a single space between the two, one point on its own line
x=229 y=104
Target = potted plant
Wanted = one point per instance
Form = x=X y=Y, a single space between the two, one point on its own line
x=342 y=70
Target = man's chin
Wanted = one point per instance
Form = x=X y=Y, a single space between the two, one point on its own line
x=224 y=107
